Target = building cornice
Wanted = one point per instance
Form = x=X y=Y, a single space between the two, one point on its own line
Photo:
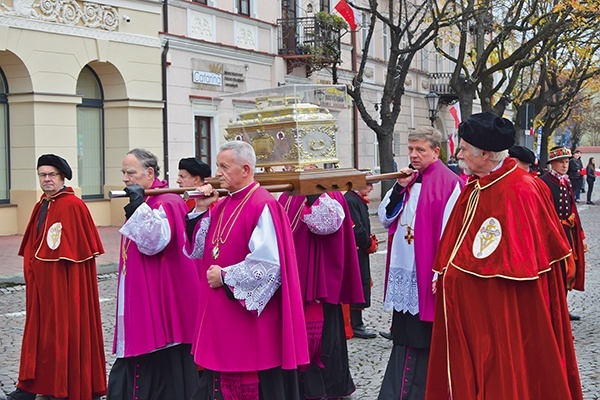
x=220 y=50
x=50 y=27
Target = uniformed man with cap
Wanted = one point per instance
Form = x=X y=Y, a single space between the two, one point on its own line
x=501 y=327
x=63 y=350
x=558 y=182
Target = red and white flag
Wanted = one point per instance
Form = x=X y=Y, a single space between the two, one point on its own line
x=350 y=14
x=455 y=112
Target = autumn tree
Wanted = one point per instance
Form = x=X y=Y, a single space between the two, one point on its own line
x=497 y=41
x=411 y=27
x=563 y=80
x=583 y=121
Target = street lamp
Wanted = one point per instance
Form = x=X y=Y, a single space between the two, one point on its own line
x=432 y=103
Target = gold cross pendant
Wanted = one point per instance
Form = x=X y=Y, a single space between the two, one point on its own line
x=215 y=252
x=409 y=237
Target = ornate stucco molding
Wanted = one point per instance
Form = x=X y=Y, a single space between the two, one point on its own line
x=80 y=31
x=67 y=12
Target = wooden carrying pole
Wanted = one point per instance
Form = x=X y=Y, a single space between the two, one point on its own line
x=295 y=182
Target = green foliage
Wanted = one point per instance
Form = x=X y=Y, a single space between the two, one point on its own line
x=306 y=48
x=331 y=20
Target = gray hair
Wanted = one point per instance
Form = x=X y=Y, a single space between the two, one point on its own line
x=242 y=152
x=427 y=133
x=147 y=159
x=494 y=155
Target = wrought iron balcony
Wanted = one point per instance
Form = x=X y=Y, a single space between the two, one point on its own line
x=439 y=82
x=308 y=41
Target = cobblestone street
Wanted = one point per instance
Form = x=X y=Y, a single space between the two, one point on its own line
x=367 y=357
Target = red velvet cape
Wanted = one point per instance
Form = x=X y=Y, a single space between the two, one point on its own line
x=63 y=350
x=501 y=327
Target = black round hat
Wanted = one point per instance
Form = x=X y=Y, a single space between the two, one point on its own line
x=488 y=131
x=58 y=162
x=522 y=153
x=195 y=167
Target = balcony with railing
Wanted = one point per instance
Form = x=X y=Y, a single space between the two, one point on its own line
x=439 y=82
x=308 y=41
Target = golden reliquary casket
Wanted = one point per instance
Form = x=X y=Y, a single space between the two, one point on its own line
x=285 y=131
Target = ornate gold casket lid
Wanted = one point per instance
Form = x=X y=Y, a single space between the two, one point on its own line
x=284 y=109
x=289 y=126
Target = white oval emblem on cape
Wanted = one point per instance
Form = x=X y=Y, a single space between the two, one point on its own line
x=488 y=238
x=53 y=237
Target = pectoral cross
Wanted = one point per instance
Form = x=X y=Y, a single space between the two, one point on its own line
x=409 y=237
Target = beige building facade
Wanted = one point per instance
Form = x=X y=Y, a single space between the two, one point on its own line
x=81 y=80
x=91 y=80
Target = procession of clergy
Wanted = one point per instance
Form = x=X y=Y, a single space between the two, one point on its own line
x=241 y=297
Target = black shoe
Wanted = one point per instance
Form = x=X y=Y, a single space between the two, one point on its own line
x=574 y=317
x=387 y=335
x=361 y=332
x=19 y=394
x=590 y=203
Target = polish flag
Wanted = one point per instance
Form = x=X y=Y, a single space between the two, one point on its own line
x=350 y=14
x=455 y=112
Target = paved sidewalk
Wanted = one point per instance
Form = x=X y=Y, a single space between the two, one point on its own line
x=11 y=265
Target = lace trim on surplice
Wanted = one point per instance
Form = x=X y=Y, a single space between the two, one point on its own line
x=255 y=282
x=149 y=229
x=326 y=217
x=199 y=239
x=402 y=293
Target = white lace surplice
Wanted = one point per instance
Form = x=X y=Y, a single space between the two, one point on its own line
x=402 y=292
x=257 y=278
x=200 y=238
x=150 y=230
x=325 y=217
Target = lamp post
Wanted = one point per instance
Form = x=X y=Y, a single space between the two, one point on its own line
x=432 y=103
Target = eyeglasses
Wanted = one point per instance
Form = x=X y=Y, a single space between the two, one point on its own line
x=51 y=175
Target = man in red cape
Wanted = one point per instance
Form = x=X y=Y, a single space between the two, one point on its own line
x=501 y=328
x=63 y=350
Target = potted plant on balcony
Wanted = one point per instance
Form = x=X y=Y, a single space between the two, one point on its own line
x=327 y=45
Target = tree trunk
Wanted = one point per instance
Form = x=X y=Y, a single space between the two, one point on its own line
x=386 y=159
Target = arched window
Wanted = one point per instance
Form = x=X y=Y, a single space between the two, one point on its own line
x=90 y=135
x=4 y=145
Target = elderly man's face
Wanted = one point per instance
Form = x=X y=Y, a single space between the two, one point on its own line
x=232 y=175
x=469 y=162
x=421 y=154
x=560 y=166
x=134 y=172
x=51 y=179
x=185 y=179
